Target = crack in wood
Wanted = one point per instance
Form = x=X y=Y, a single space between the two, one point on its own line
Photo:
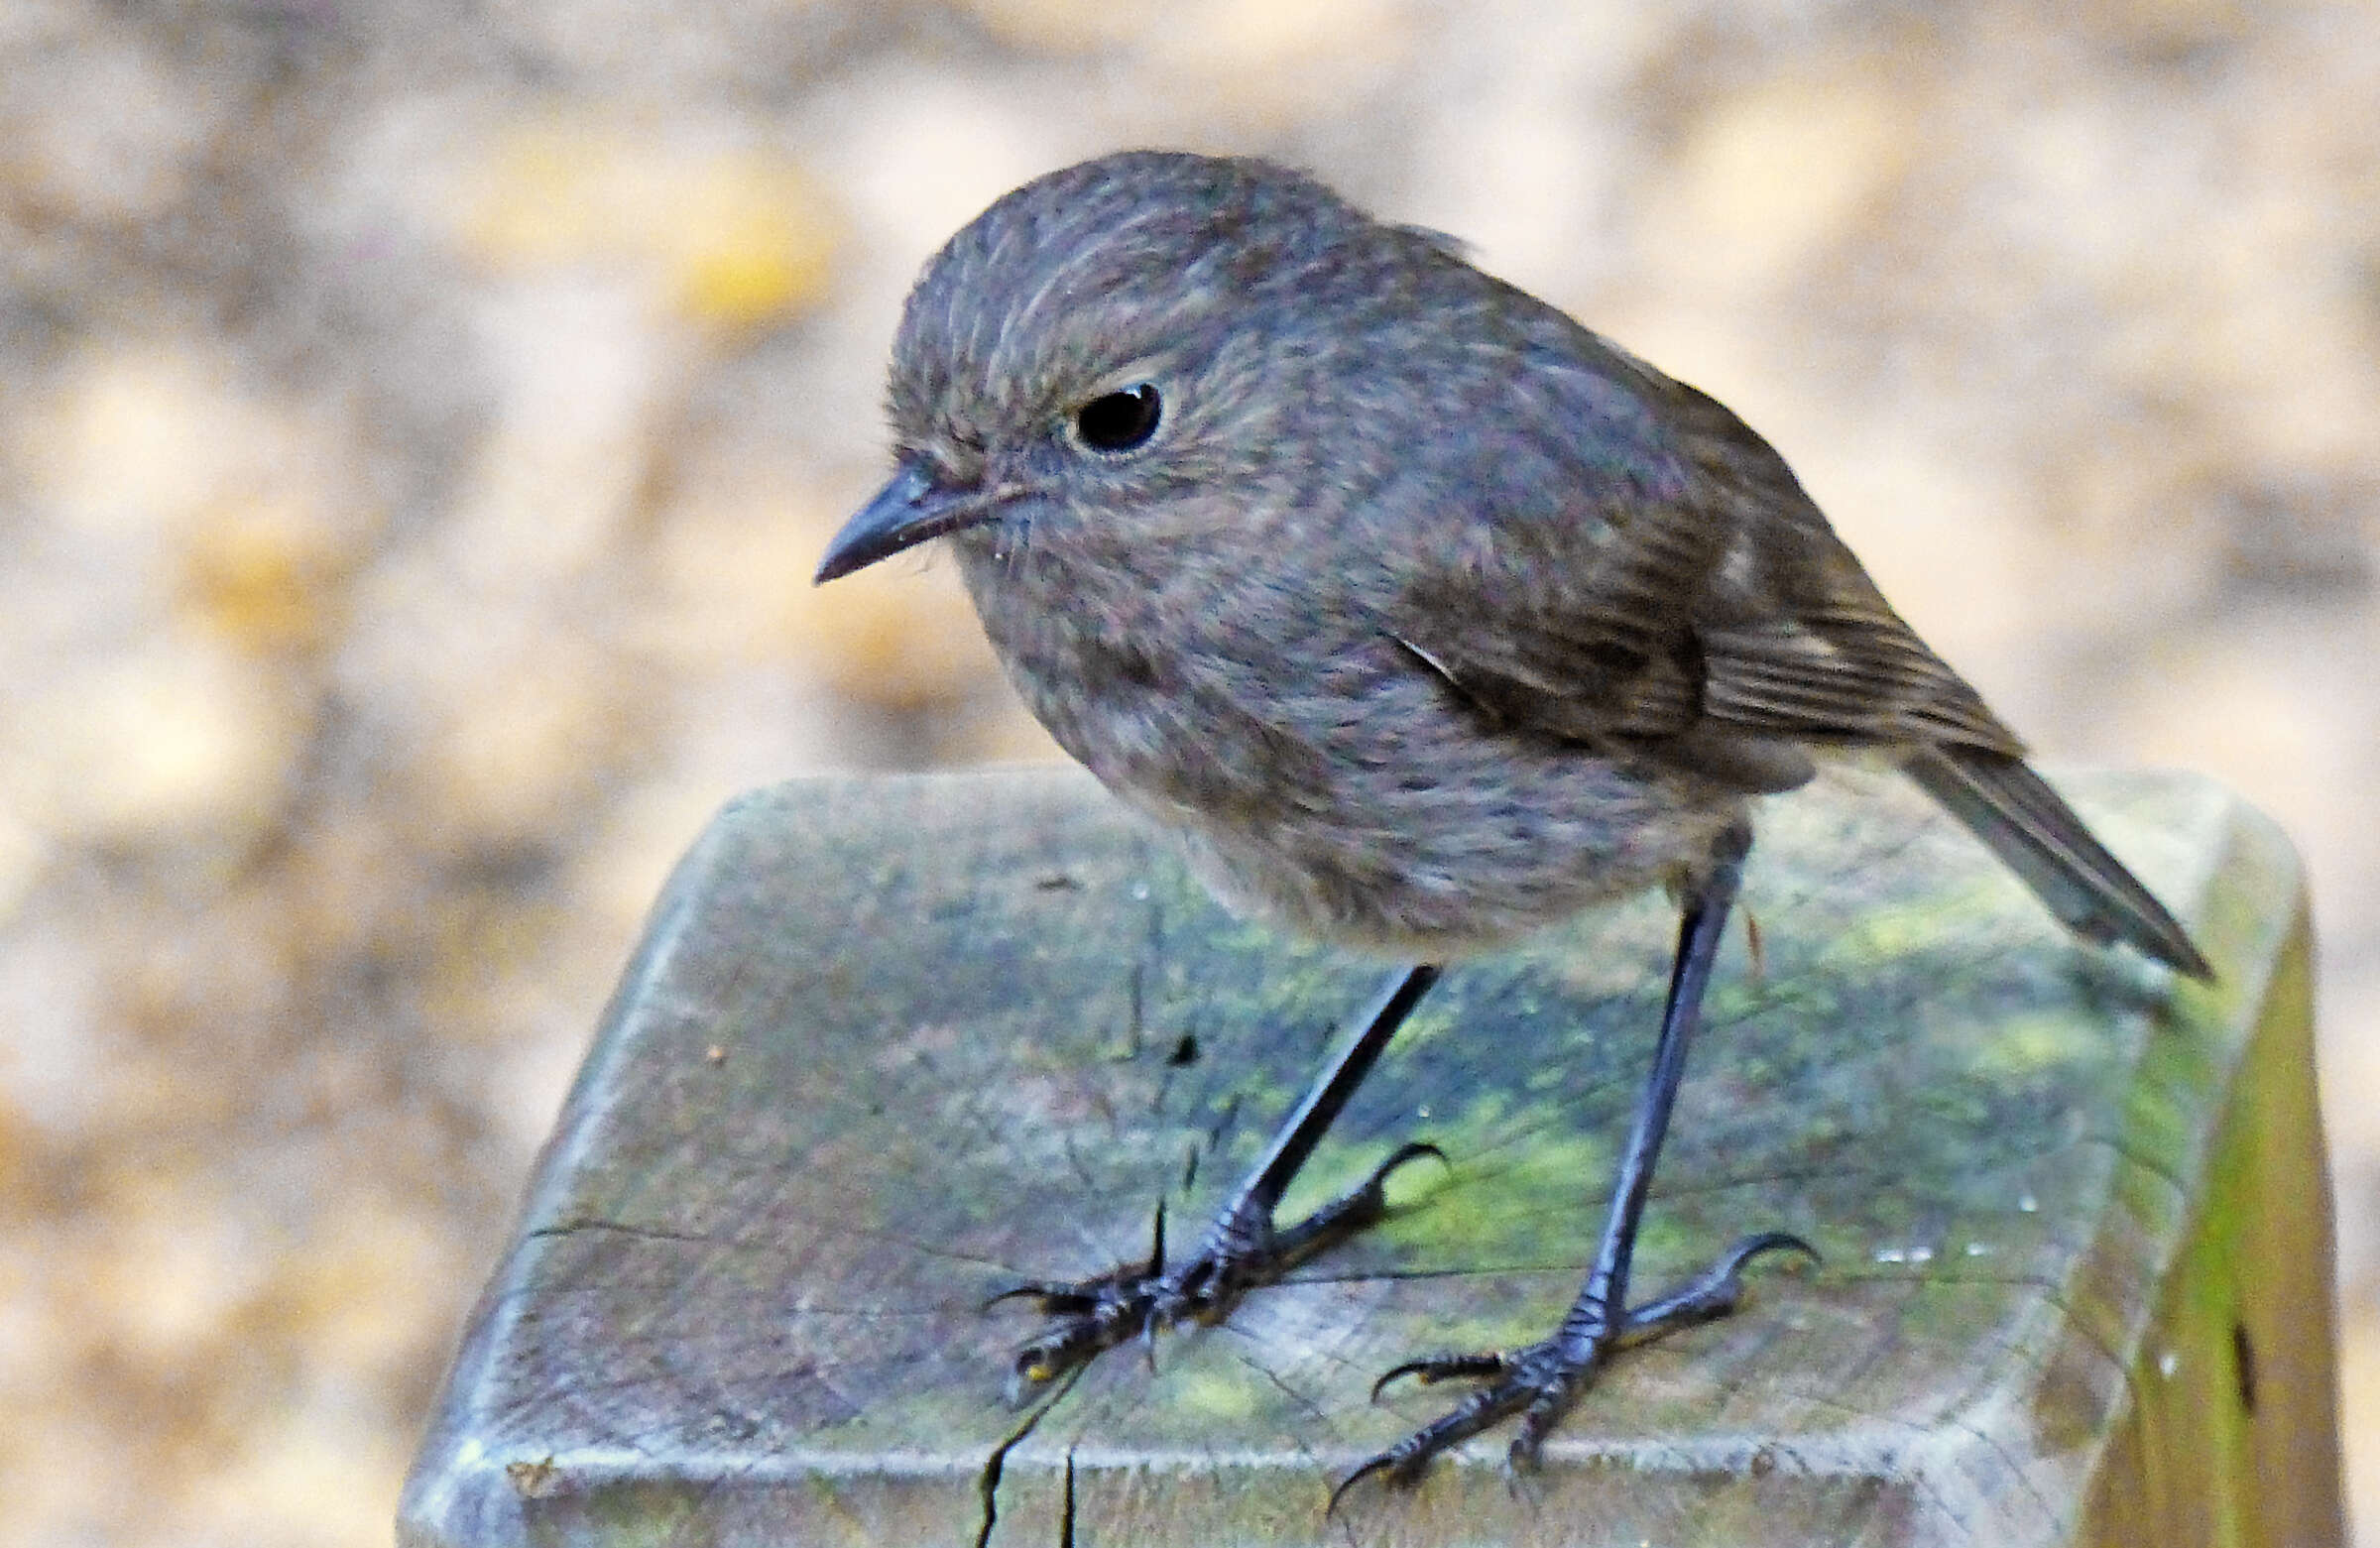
x=996 y=1465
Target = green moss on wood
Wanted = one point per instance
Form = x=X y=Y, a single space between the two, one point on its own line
x=891 y=1044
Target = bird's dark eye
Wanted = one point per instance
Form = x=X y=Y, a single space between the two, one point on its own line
x=1119 y=420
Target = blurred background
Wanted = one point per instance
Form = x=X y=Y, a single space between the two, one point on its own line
x=418 y=420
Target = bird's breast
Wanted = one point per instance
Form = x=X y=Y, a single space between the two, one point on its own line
x=1322 y=779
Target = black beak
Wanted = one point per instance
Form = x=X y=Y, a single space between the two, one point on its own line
x=908 y=511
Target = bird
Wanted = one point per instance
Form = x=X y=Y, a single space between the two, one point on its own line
x=1424 y=618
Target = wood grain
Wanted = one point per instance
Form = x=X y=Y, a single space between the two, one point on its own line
x=891 y=1045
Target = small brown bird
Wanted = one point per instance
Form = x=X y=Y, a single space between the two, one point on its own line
x=1426 y=618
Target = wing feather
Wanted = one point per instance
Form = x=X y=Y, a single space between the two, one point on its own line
x=1687 y=600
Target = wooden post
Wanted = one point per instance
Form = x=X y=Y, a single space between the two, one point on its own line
x=891 y=1044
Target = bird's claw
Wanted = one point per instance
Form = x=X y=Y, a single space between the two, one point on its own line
x=1540 y=1381
x=1242 y=1251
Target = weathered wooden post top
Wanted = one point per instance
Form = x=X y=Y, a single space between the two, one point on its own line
x=891 y=1045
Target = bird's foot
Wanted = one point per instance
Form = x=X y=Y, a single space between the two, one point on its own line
x=1243 y=1249
x=1540 y=1381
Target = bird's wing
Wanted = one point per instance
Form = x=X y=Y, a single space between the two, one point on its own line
x=1570 y=629
x=1684 y=601
x=1842 y=677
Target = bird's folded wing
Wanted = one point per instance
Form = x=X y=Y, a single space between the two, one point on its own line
x=1627 y=639
x=1844 y=676
x=1571 y=627
x=1686 y=601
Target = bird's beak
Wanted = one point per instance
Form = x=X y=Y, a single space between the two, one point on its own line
x=908 y=511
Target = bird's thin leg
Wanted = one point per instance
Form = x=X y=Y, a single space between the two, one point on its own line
x=1539 y=1382
x=1242 y=1248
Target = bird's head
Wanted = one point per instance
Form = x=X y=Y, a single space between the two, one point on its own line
x=1115 y=347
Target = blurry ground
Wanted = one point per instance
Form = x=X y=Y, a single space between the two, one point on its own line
x=418 y=420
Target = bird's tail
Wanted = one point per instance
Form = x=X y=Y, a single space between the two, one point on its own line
x=2012 y=809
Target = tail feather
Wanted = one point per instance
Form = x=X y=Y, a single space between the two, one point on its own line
x=2012 y=809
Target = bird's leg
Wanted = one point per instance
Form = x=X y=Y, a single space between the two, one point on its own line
x=1539 y=1382
x=1242 y=1248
